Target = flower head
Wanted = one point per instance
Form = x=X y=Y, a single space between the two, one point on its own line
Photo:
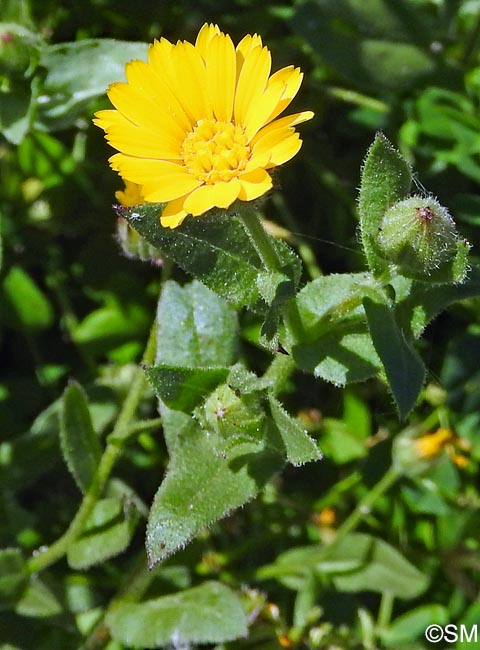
x=197 y=126
x=414 y=454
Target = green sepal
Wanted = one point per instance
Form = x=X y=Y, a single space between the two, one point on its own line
x=386 y=179
x=79 y=442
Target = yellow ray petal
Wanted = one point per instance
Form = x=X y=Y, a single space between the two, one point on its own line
x=190 y=82
x=283 y=122
x=252 y=81
x=144 y=77
x=280 y=145
x=142 y=111
x=247 y=44
x=219 y=195
x=260 y=110
x=161 y=180
x=254 y=184
x=173 y=213
x=205 y=35
x=221 y=75
x=292 y=78
x=104 y=118
x=139 y=141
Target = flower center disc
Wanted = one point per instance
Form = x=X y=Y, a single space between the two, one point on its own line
x=215 y=151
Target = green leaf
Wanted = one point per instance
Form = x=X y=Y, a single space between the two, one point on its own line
x=80 y=446
x=383 y=568
x=386 y=179
x=78 y=72
x=359 y=562
x=214 y=249
x=209 y=613
x=404 y=369
x=299 y=447
x=426 y=301
x=23 y=305
x=196 y=328
x=38 y=600
x=412 y=625
x=182 y=388
x=337 y=346
x=13 y=578
x=107 y=533
x=341 y=444
x=108 y=327
x=206 y=479
x=336 y=35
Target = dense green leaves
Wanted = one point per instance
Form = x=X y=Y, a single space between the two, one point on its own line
x=210 y=613
x=241 y=393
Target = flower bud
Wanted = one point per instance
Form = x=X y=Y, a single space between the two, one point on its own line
x=232 y=414
x=16 y=52
x=420 y=237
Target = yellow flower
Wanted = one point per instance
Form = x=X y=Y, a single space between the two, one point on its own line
x=197 y=125
x=430 y=446
x=131 y=195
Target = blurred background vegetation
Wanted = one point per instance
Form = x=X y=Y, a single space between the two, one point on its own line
x=73 y=306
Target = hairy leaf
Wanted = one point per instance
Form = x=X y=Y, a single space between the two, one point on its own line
x=80 y=446
x=404 y=369
x=209 y=613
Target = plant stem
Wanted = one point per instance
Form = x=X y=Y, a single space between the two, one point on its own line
x=266 y=251
x=114 y=447
x=385 y=610
x=260 y=239
x=364 y=507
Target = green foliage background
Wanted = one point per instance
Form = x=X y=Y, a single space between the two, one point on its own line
x=75 y=314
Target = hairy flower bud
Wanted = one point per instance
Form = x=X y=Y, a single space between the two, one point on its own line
x=420 y=237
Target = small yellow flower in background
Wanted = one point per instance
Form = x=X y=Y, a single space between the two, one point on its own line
x=196 y=127
x=414 y=455
x=431 y=445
